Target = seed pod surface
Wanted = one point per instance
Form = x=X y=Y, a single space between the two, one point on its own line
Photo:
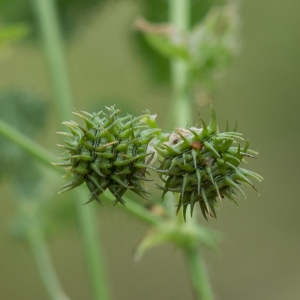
x=202 y=165
x=108 y=153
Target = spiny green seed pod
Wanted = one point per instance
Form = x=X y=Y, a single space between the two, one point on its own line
x=110 y=152
x=202 y=165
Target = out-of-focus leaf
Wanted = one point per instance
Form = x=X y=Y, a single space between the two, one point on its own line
x=157 y=11
x=182 y=235
x=166 y=39
x=208 y=48
x=214 y=43
x=165 y=47
x=13 y=33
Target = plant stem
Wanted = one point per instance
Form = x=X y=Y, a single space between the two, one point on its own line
x=42 y=257
x=93 y=254
x=179 y=15
x=28 y=145
x=46 y=14
x=48 y=21
x=88 y=231
x=199 y=278
x=139 y=212
x=44 y=157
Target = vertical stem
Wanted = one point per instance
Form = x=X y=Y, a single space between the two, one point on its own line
x=48 y=22
x=93 y=255
x=43 y=261
x=196 y=267
x=45 y=11
x=179 y=14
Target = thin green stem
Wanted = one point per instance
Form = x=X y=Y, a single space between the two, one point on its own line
x=50 y=30
x=42 y=257
x=139 y=212
x=46 y=14
x=198 y=273
x=179 y=15
x=93 y=254
x=28 y=145
x=181 y=108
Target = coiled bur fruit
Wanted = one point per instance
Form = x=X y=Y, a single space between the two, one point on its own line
x=110 y=152
x=202 y=165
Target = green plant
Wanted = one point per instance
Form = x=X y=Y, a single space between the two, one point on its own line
x=108 y=153
x=199 y=164
x=202 y=166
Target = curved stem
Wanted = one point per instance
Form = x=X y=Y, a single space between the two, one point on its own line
x=28 y=145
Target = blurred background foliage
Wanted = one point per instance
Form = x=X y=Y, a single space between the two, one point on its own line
x=76 y=13
x=27 y=113
x=28 y=181
x=110 y=63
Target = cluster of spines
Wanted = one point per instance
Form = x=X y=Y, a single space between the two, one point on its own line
x=108 y=153
x=202 y=165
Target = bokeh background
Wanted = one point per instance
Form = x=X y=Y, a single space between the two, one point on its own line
x=258 y=257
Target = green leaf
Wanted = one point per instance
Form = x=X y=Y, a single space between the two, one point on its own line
x=165 y=46
x=182 y=235
x=13 y=33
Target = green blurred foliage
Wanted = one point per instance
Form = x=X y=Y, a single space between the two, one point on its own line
x=69 y=10
x=13 y=33
x=73 y=13
x=181 y=235
x=259 y=254
x=27 y=113
x=208 y=48
x=31 y=185
x=156 y=11
x=213 y=44
x=40 y=208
